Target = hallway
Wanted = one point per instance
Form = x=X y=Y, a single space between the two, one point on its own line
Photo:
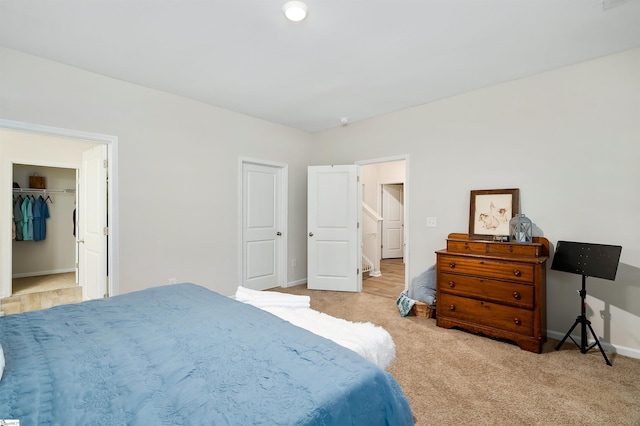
x=390 y=284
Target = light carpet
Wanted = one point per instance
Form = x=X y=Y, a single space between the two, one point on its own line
x=452 y=377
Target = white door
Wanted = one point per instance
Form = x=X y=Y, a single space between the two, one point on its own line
x=91 y=216
x=333 y=247
x=393 y=221
x=262 y=217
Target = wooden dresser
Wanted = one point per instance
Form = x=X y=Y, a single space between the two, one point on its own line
x=494 y=288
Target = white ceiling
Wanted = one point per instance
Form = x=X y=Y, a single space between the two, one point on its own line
x=351 y=58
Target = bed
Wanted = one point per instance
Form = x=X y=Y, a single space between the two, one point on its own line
x=366 y=339
x=179 y=355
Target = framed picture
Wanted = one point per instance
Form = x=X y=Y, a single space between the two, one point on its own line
x=490 y=211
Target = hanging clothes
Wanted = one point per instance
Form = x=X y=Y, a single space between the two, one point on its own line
x=30 y=218
x=45 y=216
x=27 y=219
x=36 y=220
x=17 y=218
x=40 y=216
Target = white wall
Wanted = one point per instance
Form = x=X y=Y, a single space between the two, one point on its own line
x=569 y=139
x=57 y=252
x=177 y=164
x=373 y=175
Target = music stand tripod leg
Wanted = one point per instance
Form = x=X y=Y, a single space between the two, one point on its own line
x=582 y=319
x=568 y=334
x=599 y=345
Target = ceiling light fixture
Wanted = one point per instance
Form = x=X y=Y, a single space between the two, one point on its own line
x=295 y=10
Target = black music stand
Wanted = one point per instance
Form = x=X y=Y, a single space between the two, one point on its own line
x=588 y=260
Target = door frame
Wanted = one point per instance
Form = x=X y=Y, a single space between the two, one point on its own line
x=284 y=191
x=112 y=202
x=390 y=159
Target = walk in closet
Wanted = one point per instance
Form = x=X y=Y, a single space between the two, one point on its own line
x=49 y=247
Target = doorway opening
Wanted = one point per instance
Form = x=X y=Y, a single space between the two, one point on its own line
x=43 y=241
x=385 y=191
x=55 y=148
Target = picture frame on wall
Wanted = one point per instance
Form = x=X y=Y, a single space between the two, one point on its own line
x=490 y=211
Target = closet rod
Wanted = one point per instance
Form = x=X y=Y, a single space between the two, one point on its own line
x=46 y=191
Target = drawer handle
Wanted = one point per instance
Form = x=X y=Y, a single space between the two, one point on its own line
x=517 y=321
x=452 y=307
x=510 y=249
x=516 y=295
x=517 y=272
x=452 y=284
x=466 y=246
x=452 y=265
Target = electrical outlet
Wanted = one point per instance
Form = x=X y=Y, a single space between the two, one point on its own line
x=172 y=280
x=431 y=222
x=294 y=262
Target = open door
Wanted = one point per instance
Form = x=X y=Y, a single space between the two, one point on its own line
x=91 y=232
x=333 y=247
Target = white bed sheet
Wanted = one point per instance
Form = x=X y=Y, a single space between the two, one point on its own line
x=370 y=341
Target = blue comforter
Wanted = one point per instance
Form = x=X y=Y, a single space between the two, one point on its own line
x=184 y=355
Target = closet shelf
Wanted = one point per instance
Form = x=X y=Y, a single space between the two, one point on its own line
x=45 y=191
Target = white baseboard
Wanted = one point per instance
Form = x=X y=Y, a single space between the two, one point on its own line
x=39 y=273
x=297 y=282
x=617 y=349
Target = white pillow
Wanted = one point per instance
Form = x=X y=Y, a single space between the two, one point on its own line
x=1 y=362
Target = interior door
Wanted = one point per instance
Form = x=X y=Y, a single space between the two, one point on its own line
x=333 y=211
x=393 y=221
x=91 y=216
x=262 y=226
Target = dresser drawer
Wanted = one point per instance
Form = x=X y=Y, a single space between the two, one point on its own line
x=511 y=293
x=528 y=250
x=480 y=247
x=490 y=314
x=458 y=246
x=520 y=272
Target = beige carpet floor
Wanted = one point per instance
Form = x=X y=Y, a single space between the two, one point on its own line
x=452 y=377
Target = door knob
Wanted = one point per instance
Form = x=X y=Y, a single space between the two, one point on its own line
x=278 y=233
x=311 y=234
x=80 y=241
